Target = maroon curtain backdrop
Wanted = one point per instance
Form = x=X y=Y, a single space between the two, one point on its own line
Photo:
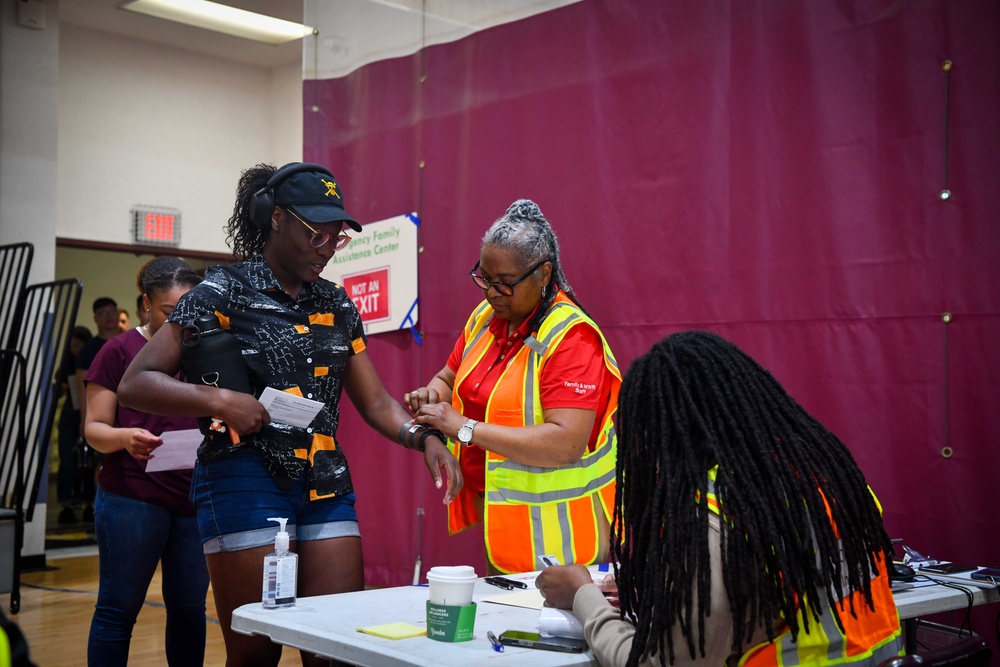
x=770 y=171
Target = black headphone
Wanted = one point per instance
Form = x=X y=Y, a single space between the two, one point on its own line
x=262 y=201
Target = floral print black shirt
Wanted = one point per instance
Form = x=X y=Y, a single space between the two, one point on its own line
x=298 y=345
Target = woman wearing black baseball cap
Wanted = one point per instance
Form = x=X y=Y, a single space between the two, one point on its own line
x=300 y=334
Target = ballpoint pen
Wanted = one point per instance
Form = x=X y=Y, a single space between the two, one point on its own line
x=510 y=582
x=497 y=646
x=499 y=582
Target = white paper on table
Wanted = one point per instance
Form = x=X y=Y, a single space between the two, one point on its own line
x=559 y=623
x=290 y=409
x=530 y=598
x=178 y=451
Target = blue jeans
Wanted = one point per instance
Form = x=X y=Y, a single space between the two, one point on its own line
x=236 y=495
x=133 y=537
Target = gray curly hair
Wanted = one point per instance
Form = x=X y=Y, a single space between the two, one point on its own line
x=524 y=232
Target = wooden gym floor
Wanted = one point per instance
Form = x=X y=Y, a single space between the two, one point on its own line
x=58 y=603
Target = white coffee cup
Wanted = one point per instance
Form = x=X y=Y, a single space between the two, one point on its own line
x=451 y=585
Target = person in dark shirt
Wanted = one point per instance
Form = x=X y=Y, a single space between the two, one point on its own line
x=106 y=319
x=302 y=335
x=70 y=442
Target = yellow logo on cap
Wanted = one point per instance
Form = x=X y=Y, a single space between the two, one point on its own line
x=331 y=188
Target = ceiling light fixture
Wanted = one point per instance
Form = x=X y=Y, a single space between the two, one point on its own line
x=221 y=18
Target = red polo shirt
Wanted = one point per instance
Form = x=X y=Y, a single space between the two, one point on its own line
x=574 y=376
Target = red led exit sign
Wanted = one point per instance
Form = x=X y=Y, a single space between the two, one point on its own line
x=156 y=225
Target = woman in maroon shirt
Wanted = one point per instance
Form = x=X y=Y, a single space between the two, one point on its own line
x=143 y=519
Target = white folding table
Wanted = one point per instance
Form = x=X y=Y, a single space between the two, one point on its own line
x=327 y=625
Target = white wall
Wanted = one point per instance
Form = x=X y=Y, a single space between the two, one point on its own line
x=29 y=69
x=145 y=124
x=29 y=72
x=92 y=124
x=285 y=118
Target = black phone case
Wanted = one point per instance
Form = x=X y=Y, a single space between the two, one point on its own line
x=948 y=568
x=987 y=574
x=544 y=645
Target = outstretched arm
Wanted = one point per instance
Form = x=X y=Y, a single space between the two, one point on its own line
x=610 y=637
x=384 y=414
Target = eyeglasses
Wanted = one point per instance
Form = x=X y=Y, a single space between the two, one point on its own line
x=503 y=289
x=320 y=239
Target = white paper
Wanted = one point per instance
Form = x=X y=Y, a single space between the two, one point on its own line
x=290 y=409
x=178 y=451
x=559 y=623
x=530 y=598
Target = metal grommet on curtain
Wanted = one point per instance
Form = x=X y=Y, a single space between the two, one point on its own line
x=946 y=452
x=946 y=66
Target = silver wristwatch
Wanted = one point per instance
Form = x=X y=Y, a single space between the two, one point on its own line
x=465 y=433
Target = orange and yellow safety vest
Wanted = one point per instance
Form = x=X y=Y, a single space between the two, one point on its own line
x=530 y=510
x=869 y=637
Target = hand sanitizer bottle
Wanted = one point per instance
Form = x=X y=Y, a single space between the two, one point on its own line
x=280 y=569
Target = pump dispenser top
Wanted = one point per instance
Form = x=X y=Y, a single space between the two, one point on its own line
x=280 y=571
x=281 y=539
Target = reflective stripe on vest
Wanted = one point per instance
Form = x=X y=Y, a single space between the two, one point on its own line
x=870 y=639
x=484 y=329
x=529 y=507
x=539 y=492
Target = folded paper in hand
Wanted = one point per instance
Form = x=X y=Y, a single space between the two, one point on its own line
x=178 y=451
x=290 y=409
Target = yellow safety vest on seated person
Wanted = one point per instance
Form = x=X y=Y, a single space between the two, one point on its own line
x=531 y=510
x=868 y=638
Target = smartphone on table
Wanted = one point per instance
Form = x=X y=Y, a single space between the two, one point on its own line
x=948 y=568
x=987 y=574
x=544 y=642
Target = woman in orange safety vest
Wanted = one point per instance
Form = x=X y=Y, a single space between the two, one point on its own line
x=527 y=399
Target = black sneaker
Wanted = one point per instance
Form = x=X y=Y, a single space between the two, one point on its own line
x=67 y=516
x=88 y=514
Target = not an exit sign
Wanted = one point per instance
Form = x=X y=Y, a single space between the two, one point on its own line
x=156 y=225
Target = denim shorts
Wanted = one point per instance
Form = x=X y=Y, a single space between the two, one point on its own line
x=236 y=496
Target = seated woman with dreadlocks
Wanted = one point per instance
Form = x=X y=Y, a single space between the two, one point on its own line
x=744 y=532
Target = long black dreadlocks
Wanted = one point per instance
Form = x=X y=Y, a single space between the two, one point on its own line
x=242 y=235
x=696 y=401
x=524 y=231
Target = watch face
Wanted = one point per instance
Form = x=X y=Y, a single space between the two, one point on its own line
x=465 y=433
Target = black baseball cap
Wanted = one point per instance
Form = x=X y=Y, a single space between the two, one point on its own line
x=316 y=196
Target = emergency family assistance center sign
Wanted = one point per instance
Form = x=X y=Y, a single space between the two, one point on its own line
x=378 y=268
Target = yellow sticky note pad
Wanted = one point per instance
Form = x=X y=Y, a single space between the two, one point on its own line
x=394 y=630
